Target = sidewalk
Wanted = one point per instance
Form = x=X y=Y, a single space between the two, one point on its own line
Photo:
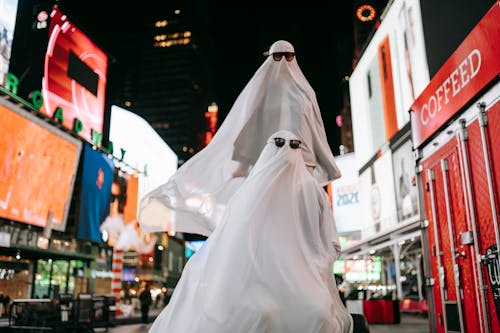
x=410 y=323
x=135 y=318
x=133 y=328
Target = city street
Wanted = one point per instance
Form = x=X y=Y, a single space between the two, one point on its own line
x=134 y=328
x=162 y=153
x=409 y=324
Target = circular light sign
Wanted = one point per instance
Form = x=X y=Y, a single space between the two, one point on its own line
x=42 y=16
x=366 y=13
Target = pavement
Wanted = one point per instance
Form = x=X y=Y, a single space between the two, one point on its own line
x=410 y=323
x=134 y=328
x=130 y=323
x=135 y=317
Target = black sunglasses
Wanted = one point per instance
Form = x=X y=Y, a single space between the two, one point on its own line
x=280 y=142
x=288 y=56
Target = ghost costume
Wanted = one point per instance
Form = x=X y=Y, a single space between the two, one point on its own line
x=277 y=97
x=267 y=267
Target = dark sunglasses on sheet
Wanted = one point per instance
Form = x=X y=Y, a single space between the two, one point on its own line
x=288 y=56
x=280 y=142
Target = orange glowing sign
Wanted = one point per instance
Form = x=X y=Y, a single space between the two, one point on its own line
x=37 y=170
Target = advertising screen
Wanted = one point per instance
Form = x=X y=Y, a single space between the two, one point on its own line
x=37 y=169
x=378 y=203
x=359 y=270
x=97 y=177
x=8 y=12
x=120 y=228
x=74 y=77
x=142 y=149
x=345 y=195
x=390 y=74
x=405 y=182
x=192 y=247
x=128 y=274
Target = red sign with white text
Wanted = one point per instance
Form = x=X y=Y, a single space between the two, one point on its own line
x=469 y=69
x=74 y=76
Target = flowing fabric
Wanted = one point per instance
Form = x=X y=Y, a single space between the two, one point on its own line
x=267 y=267
x=278 y=97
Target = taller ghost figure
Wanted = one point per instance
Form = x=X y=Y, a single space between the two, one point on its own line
x=266 y=268
x=277 y=97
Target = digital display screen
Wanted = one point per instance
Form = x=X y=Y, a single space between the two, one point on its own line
x=193 y=246
x=391 y=72
x=8 y=12
x=97 y=176
x=74 y=79
x=128 y=274
x=145 y=150
x=37 y=169
x=359 y=270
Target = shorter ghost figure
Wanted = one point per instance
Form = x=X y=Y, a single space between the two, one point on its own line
x=267 y=265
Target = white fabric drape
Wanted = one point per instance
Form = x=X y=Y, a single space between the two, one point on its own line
x=278 y=97
x=267 y=267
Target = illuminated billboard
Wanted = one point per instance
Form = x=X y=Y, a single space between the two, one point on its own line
x=142 y=149
x=359 y=270
x=405 y=183
x=120 y=228
x=390 y=74
x=192 y=247
x=345 y=200
x=377 y=197
x=95 y=190
x=74 y=78
x=8 y=12
x=38 y=166
x=53 y=56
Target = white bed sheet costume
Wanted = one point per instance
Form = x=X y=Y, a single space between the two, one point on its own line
x=267 y=266
x=277 y=97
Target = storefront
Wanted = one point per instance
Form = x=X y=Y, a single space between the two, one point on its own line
x=32 y=266
x=455 y=131
x=384 y=264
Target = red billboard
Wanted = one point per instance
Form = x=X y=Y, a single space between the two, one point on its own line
x=74 y=78
x=37 y=169
x=470 y=68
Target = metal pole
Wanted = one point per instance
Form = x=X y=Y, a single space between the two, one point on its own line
x=426 y=252
x=50 y=277
x=483 y=121
x=454 y=250
x=419 y=277
x=66 y=290
x=399 y=289
x=472 y=209
x=442 y=281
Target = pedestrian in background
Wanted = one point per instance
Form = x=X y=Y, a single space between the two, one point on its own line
x=146 y=301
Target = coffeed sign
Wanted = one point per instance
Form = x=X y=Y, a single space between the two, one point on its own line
x=470 y=68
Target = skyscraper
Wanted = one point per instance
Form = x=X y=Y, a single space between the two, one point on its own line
x=168 y=80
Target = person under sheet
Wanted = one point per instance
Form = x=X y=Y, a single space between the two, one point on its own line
x=277 y=97
x=267 y=266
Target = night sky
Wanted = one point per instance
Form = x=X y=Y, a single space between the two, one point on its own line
x=321 y=32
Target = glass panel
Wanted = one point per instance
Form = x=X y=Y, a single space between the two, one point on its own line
x=42 y=278
x=59 y=277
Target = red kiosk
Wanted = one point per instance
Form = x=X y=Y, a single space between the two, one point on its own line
x=456 y=137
